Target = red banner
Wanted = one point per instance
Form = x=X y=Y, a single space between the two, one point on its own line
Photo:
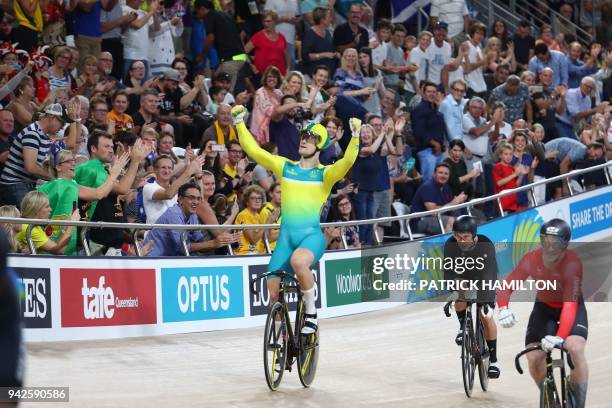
x=107 y=297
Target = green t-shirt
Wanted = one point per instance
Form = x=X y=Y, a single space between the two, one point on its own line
x=62 y=194
x=92 y=174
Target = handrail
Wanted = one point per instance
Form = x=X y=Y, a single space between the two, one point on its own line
x=471 y=203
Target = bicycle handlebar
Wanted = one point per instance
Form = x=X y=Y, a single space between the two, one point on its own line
x=517 y=362
x=280 y=274
x=448 y=305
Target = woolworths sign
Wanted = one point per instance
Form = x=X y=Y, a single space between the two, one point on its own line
x=351 y=281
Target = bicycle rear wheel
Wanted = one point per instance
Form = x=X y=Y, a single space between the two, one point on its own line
x=275 y=346
x=483 y=357
x=468 y=362
x=308 y=353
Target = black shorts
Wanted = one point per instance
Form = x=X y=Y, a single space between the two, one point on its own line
x=544 y=321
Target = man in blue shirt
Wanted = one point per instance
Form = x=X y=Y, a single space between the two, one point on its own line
x=577 y=106
x=452 y=108
x=432 y=194
x=579 y=69
x=555 y=60
x=429 y=130
x=167 y=242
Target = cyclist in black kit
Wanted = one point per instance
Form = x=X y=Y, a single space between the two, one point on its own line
x=466 y=243
x=10 y=324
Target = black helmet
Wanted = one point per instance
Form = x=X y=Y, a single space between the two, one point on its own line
x=558 y=228
x=465 y=223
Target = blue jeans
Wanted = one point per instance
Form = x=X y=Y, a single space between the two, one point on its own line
x=364 y=210
x=564 y=130
x=428 y=161
x=291 y=51
x=12 y=194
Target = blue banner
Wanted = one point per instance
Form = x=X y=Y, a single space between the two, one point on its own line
x=591 y=215
x=201 y=293
x=405 y=11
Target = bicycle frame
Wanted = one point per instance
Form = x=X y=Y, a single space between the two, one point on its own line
x=550 y=365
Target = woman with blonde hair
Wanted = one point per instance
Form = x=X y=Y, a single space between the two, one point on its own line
x=10 y=211
x=63 y=193
x=253 y=198
x=528 y=78
x=35 y=205
x=494 y=47
x=348 y=77
x=294 y=84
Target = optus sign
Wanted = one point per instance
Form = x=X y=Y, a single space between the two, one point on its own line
x=352 y=281
x=107 y=297
x=202 y=293
x=260 y=301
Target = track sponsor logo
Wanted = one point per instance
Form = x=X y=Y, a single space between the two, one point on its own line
x=352 y=281
x=107 y=297
x=35 y=297
x=591 y=215
x=205 y=293
x=260 y=301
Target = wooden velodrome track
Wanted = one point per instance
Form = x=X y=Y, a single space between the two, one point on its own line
x=400 y=357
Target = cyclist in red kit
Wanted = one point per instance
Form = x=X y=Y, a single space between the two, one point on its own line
x=559 y=316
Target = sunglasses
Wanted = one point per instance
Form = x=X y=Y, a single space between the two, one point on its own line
x=310 y=137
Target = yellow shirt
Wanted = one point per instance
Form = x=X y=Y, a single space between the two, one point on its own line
x=39 y=237
x=33 y=23
x=267 y=209
x=246 y=217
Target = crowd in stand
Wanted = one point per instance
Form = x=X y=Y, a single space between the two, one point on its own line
x=121 y=113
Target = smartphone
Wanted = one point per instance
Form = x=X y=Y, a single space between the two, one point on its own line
x=250 y=167
x=218 y=148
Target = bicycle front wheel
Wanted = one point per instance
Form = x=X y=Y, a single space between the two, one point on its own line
x=548 y=396
x=308 y=353
x=483 y=357
x=468 y=362
x=275 y=346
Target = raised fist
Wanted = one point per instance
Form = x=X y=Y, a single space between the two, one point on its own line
x=355 y=125
x=239 y=113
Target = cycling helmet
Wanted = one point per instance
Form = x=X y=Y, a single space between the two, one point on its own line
x=558 y=228
x=465 y=223
x=320 y=131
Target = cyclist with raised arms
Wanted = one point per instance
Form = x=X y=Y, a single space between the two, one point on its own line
x=559 y=316
x=305 y=186
x=467 y=244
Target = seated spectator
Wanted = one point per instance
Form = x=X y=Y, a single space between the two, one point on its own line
x=267 y=98
x=28 y=152
x=348 y=78
x=251 y=240
x=506 y=176
x=322 y=101
x=98 y=111
x=207 y=211
x=578 y=106
x=262 y=176
x=117 y=119
x=35 y=205
x=433 y=194
x=430 y=131
x=234 y=171
x=342 y=210
x=7 y=126
x=59 y=76
x=167 y=242
x=334 y=130
x=460 y=180
x=497 y=57
x=159 y=195
x=11 y=230
x=271 y=212
x=394 y=63
x=148 y=114
x=222 y=131
x=24 y=104
x=89 y=78
x=515 y=96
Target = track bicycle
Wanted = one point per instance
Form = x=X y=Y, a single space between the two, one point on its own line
x=550 y=396
x=283 y=344
x=474 y=349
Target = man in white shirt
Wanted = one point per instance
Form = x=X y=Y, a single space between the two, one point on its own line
x=418 y=57
x=379 y=44
x=475 y=62
x=438 y=53
x=453 y=12
x=136 y=36
x=160 y=195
